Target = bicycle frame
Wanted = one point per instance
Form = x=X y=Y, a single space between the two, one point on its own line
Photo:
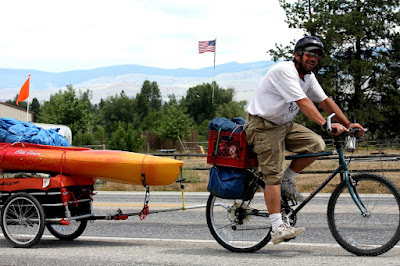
x=364 y=235
x=344 y=174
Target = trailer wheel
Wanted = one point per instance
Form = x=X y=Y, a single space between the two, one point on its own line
x=22 y=220
x=67 y=232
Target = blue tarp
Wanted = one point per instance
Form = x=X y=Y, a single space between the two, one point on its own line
x=227 y=124
x=13 y=130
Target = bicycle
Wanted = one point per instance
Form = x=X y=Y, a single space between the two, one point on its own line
x=363 y=211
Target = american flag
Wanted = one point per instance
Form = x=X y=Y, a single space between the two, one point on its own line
x=207 y=46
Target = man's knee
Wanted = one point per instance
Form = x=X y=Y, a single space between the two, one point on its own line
x=272 y=180
x=314 y=144
x=319 y=144
x=304 y=140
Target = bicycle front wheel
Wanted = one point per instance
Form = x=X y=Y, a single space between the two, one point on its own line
x=376 y=230
x=239 y=226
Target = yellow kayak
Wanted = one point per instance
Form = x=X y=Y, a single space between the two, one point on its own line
x=110 y=165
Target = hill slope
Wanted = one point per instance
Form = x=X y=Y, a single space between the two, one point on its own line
x=111 y=80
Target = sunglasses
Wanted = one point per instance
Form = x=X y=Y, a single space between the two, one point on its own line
x=312 y=55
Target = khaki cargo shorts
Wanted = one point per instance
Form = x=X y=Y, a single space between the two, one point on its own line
x=270 y=142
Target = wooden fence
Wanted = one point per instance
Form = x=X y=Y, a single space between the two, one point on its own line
x=192 y=150
x=366 y=145
x=370 y=158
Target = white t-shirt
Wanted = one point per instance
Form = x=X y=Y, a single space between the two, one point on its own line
x=277 y=93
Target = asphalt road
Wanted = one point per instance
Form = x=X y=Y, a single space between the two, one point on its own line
x=181 y=238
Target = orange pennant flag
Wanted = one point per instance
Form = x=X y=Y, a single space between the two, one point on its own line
x=24 y=92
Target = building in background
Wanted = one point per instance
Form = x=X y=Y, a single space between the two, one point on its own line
x=8 y=110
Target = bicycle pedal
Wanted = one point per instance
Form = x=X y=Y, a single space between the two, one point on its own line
x=290 y=202
x=293 y=202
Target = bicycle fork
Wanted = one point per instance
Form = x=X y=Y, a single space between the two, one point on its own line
x=352 y=187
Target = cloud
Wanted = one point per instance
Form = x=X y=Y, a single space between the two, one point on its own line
x=67 y=35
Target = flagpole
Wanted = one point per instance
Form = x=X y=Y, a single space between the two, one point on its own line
x=27 y=108
x=24 y=94
x=27 y=112
x=215 y=54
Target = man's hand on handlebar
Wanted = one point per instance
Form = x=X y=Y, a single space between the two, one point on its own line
x=338 y=129
x=360 y=132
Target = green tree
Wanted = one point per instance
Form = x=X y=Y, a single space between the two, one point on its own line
x=136 y=139
x=100 y=135
x=171 y=101
x=203 y=130
x=118 y=138
x=153 y=121
x=199 y=102
x=360 y=38
x=389 y=106
x=176 y=124
x=115 y=109
x=65 y=108
x=35 y=107
x=148 y=100
x=232 y=109
x=83 y=138
x=126 y=138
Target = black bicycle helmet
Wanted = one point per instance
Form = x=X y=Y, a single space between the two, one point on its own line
x=309 y=43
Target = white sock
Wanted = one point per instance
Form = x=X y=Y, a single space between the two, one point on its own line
x=276 y=220
x=289 y=175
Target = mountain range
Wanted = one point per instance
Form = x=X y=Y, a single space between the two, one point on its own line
x=108 y=81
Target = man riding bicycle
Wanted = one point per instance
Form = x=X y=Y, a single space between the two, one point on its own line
x=288 y=87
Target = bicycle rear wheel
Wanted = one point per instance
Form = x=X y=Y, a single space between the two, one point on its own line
x=239 y=226
x=375 y=232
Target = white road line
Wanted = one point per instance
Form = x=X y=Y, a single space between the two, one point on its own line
x=135 y=239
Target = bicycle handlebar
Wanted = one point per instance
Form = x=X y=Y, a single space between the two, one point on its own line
x=352 y=131
x=329 y=123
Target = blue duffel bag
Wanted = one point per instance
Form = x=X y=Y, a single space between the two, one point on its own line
x=226 y=183
x=232 y=125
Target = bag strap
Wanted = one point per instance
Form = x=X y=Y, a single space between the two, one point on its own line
x=240 y=137
x=233 y=131
x=216 y=146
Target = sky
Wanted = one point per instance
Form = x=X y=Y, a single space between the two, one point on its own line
x=60 y=35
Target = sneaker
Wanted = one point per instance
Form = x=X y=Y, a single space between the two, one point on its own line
x=285 y=232
x=290 y=191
